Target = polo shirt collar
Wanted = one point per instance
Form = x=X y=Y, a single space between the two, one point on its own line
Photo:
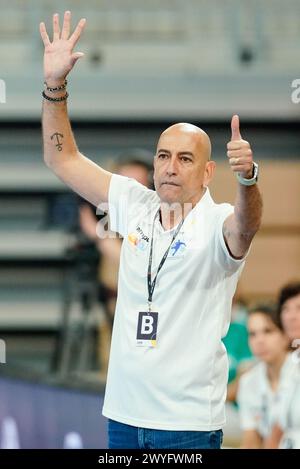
x=204 y=203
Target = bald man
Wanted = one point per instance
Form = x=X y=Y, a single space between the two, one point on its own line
x=180 y=262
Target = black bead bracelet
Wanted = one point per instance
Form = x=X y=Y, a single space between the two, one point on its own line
x=56 y=100
x=57 y=88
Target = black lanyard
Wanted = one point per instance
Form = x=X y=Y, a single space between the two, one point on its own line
x=151 y=285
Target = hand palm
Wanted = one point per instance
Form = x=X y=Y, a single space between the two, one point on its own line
x=59 y=58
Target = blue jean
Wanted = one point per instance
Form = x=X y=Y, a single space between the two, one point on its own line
x=122 y=436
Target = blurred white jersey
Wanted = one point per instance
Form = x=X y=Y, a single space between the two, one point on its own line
x=259 y=405
x=290 y=409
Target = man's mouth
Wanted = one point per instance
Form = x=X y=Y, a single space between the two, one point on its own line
x=169 y=183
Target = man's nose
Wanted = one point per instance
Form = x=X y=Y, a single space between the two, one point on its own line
x=172 y=167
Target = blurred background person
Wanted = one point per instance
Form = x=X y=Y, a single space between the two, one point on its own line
x=240 y=359
x=134 y=165
x=286 y=433
x=261 y=388
x=237 y=346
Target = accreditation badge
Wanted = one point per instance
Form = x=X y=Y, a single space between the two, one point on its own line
x=147 y=329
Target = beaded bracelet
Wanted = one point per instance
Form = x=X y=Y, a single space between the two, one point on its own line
x=55 y=100
x=57 y=88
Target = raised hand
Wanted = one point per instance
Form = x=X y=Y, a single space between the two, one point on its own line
x=59 y=58
x=239 y=151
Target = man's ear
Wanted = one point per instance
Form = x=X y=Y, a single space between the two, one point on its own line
x=154 y=164
x=210 y=167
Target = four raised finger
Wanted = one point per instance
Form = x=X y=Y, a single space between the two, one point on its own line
x=44 y=34
x=56 y=29
x=66 y=25
x=64 y=34
x=77 y=32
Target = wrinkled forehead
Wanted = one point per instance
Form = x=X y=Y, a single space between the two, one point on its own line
x=182 y=140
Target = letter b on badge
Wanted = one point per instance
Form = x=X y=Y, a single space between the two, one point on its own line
x=147 y=324
x=147 y=328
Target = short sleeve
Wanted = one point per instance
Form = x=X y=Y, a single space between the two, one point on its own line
x=223 y=256
x=125 y=197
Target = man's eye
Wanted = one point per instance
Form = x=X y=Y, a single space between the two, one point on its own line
x=185 y=159
x=162 y=155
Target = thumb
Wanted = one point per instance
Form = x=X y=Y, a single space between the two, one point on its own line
x=75 y=57
x=235 y=128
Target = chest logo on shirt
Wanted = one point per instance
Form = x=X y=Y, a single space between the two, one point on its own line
x=178 y=247
x=138 y=239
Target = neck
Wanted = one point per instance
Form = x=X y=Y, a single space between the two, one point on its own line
x=170 y=217
x=172 y=214
x=273 y=370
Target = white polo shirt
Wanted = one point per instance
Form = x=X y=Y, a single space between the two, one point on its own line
x=179 y=384
x=259 y=405
x=290 y=408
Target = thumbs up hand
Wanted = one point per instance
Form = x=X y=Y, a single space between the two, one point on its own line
x=239 y=151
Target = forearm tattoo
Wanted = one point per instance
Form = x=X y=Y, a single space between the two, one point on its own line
x=57 y=138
